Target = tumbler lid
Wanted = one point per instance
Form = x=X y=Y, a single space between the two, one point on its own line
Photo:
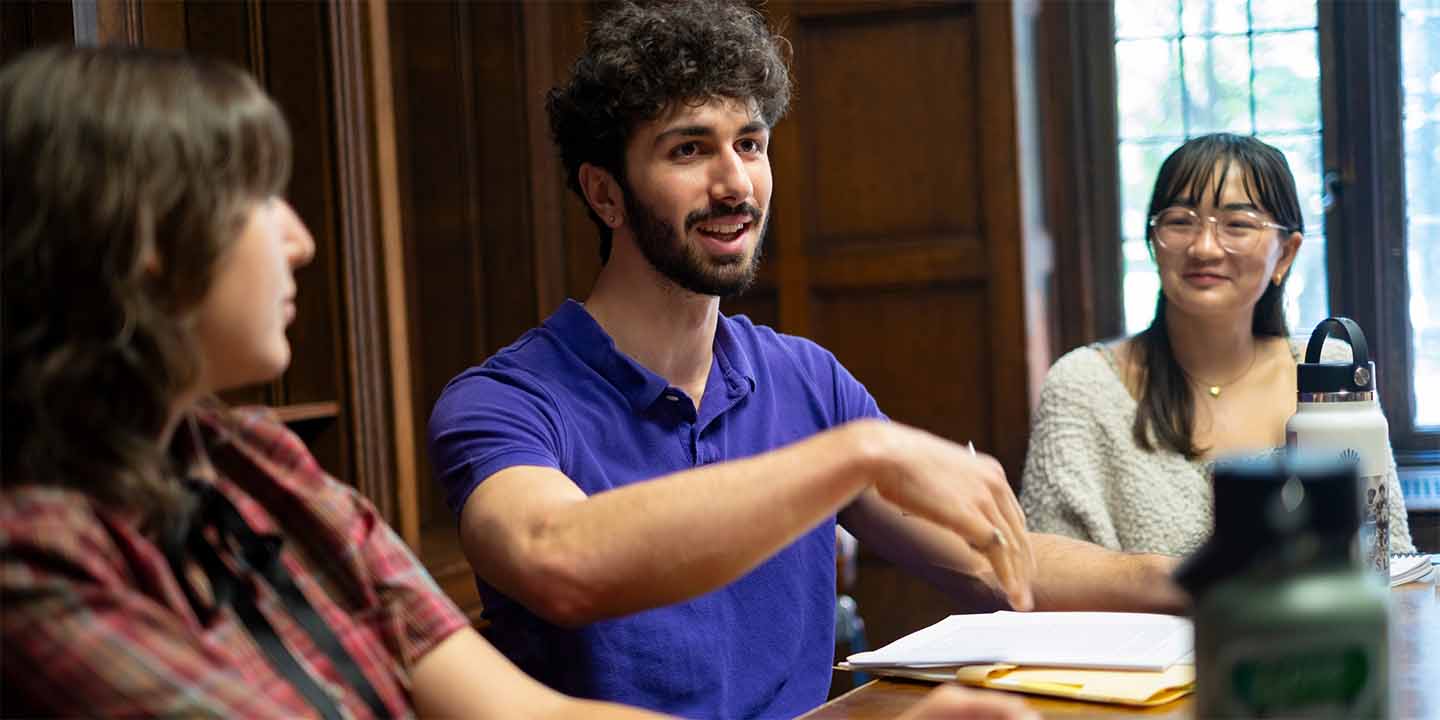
x=1356 y=376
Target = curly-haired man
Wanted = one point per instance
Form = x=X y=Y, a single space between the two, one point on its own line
x=648 y=489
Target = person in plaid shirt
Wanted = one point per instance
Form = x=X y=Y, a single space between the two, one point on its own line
x=161 y=554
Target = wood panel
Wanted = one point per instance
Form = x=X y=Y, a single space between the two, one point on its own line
x=488 y=226
x=889 y=107
x=25 y=24
x=760 y=304
x=907 y=182
x=888 y=338
x=904 y=242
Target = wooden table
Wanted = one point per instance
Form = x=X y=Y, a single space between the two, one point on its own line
x=1414 y=676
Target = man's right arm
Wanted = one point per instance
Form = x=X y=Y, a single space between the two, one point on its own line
x=574 y=559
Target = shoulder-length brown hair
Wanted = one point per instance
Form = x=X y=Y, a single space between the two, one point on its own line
x=1167 y=401
x=127 y=174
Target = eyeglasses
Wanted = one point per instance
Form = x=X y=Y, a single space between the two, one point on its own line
x=1237 y=231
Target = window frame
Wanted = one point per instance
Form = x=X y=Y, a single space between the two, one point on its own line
x=1364 y=174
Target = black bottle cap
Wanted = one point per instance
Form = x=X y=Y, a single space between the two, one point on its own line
x=1262 y=502
x=1358 y=375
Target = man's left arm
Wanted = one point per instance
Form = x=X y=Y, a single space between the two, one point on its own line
x=1069 y=575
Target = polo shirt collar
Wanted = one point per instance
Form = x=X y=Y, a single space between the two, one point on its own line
x=734 y=362
x=575 y=327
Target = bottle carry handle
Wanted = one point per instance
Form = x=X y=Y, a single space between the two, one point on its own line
x=1345 y=329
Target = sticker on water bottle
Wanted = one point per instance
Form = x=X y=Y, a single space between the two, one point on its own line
x=1375 y=526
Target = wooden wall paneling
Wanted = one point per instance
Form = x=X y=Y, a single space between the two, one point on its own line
x=546 y=184
x=372 y=418
x=162 y=24
x=1010 y=371
x=506 y=224
x=879 y=208
x=392 y=252
x=880 y=164
x=292 y=38
x=222 y=30
x=948 y=395
x=487 y=228
x=900 y=231
x=582 y=240
x=570 y=23
x=26 y=24
x=441 y=191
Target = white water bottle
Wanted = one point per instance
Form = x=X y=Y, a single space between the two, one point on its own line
x=1337 y=412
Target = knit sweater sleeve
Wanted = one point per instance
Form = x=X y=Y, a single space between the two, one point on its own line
x=1063 y=490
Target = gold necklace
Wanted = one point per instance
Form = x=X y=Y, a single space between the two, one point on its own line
x=1214 y=390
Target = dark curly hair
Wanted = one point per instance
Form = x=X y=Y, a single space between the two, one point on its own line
x=128 y=173
x=640 y=59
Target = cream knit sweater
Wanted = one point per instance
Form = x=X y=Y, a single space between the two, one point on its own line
x=1086 y=478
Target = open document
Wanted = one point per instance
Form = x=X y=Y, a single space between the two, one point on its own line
x=1130 y=658
x=1095 y=640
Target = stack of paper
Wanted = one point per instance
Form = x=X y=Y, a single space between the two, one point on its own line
x=1411 y=567
x=1131 y=658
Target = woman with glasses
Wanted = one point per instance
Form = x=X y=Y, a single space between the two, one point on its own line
x=1126 y=431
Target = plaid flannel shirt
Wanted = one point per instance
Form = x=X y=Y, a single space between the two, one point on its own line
x=94 y=622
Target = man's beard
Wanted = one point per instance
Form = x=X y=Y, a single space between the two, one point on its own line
x=683 y=263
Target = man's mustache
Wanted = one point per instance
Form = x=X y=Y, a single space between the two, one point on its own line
x=714 y=211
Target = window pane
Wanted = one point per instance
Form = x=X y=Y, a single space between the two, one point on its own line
x=1139 y=164
x=1217 y=84
x=1146 y=18
x=1148 y=91
x=1142 y=286
x=1306 y=163
x=1212 y=16
x=1287 y=82
x=1283 y=14
x=1420 y=85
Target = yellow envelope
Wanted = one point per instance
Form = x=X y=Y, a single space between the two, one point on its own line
x=1129 y=687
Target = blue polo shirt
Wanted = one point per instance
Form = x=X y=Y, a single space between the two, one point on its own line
x=563 y=397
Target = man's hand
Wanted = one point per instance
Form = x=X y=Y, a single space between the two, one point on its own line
x=953 y=701
x=966 y=493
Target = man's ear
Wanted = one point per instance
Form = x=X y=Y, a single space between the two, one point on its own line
x=603 y=194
